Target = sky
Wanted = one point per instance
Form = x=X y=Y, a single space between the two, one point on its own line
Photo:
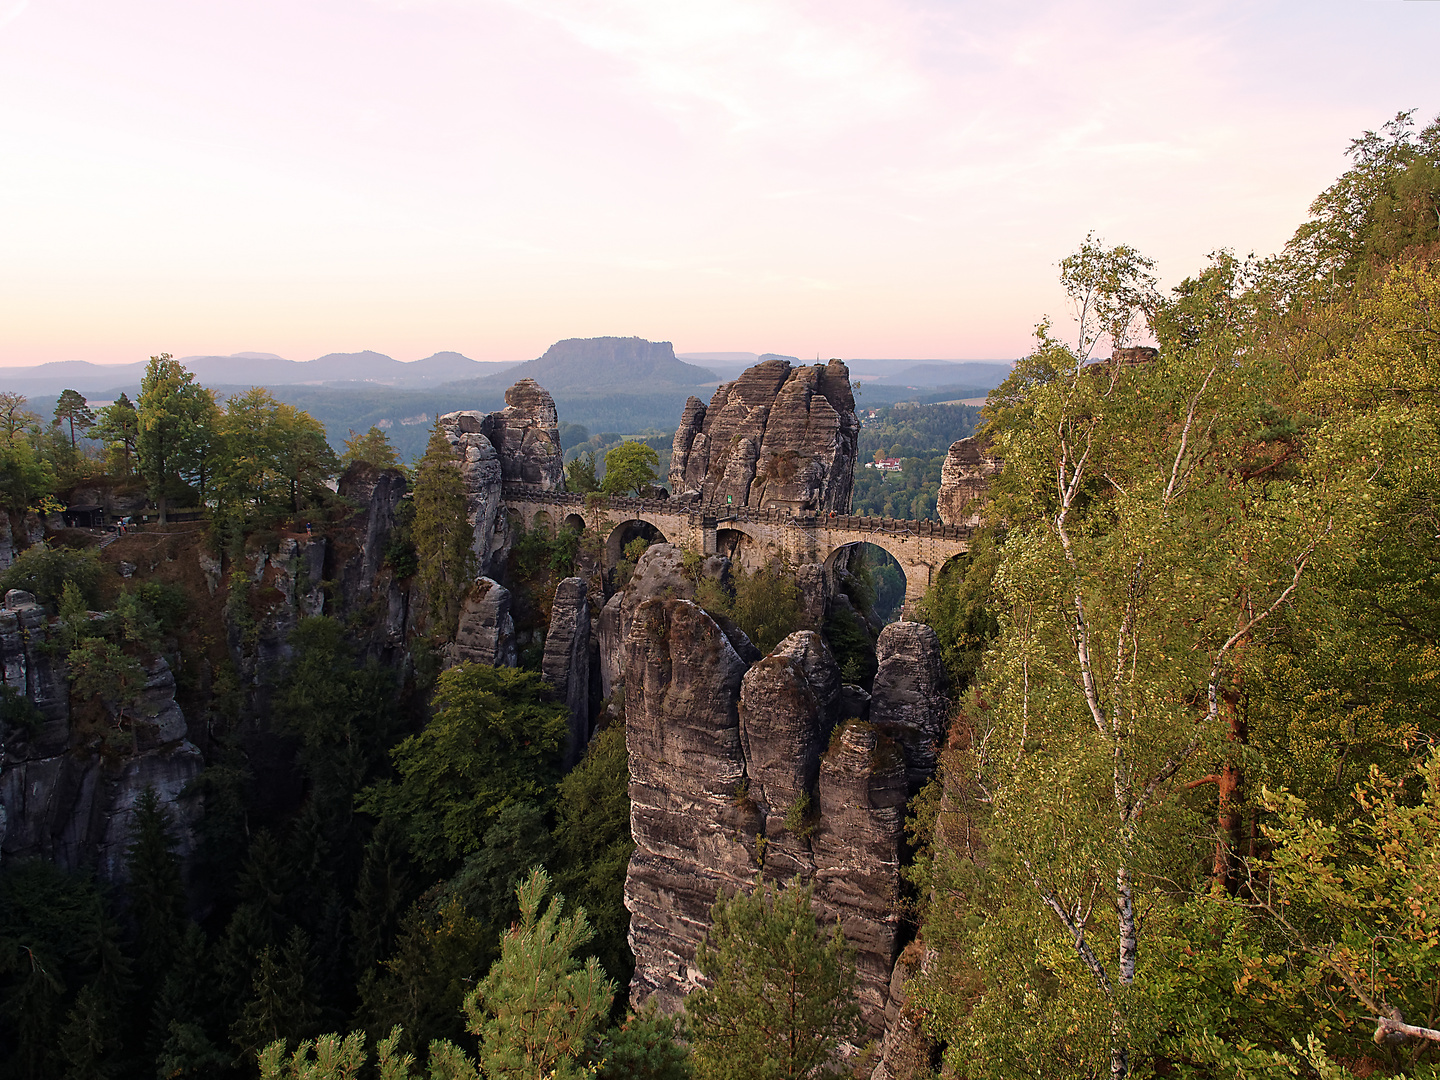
x=852 y=178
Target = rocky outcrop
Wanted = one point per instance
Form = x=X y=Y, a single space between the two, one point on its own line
x=30 y=669
x=693 y=824
x=788 y=706
x=480 y=471
x=7 y=541
x=486 y=632
x=659 y=573
x=965 y=480
x=907 y=701
x=729 y=783
x=856 y=844
x=906 y=1050
x=376 y=493
x=70 y=803
x=777 y=437
x=526 y=437
x=566 y=663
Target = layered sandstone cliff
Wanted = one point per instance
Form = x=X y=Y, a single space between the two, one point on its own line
x=747 y=770
x=777 y=437
x=965 y=480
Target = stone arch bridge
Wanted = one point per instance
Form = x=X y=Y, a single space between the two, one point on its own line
x=921 y=548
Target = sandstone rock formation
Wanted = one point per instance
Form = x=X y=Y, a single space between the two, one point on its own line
x=905 y=1051
x=856 y=844
x=481 y=471
x=907 y=701
x=693 y=826
x=377 y=494
x=29 y=669
x=526 y=437
x=659 y=573
x=70 y=804
x=486 y=633
x=729 y=783
x=788 y=705
x=566 y=663
x=964 y=481
x=777 y=436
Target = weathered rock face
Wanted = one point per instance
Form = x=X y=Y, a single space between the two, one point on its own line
x=7 y=541
x=694 y=829
x=775 y=437
x=964 y=481
x=29 y=669
x=856 y=845
x=526 y=437
x=908 y=702
x=659 y=573
x=788 y=705
x=486 y=634
x=566 y=663
x=73 y=805
x=480 y=470
x=377 y=492
x=905 y=1052
x=755 y=792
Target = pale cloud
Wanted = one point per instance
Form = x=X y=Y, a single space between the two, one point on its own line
x=866 y=177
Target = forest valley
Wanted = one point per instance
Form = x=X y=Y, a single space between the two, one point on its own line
x=1187 y=821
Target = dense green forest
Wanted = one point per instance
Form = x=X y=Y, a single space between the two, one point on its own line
x=1187 y=821
x=918 y=436
x=1190 y=808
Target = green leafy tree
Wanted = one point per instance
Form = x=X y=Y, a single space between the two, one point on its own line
x=580 y=473
x=118 y=427
x=44 y=570
x=781 y=997
x=373 y=447
x=593 y=845
x=630 y=469
x=176 y=416
x=766 y=603
x=538 y=1006
x=25 y=476
x=443 y=536
x=494 y=740
x=99 y=669
x=72 y=409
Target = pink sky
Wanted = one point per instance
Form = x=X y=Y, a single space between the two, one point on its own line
x=838 y=178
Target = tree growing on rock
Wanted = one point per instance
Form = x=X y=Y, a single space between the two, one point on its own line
x=442 y=533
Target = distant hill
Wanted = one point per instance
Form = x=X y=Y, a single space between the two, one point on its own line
x=986 y=374
x=606 y=364
x=254 y=369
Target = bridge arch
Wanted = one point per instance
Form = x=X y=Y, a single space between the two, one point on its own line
x=626 y=531
x=890 y=595
x=748 y=545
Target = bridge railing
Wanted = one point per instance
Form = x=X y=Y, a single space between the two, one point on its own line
x=846 y=523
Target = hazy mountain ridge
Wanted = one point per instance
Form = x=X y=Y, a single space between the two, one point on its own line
x=255 y=369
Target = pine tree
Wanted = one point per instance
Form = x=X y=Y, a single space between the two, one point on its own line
x=119 y=425
x=155 y=892
x=539 y=1005
x=782 y=992
x=72 y=408
x=443 y=535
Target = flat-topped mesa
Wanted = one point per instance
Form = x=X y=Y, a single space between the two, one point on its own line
x=526 y=437
x=777 y=437
x=965 y=481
